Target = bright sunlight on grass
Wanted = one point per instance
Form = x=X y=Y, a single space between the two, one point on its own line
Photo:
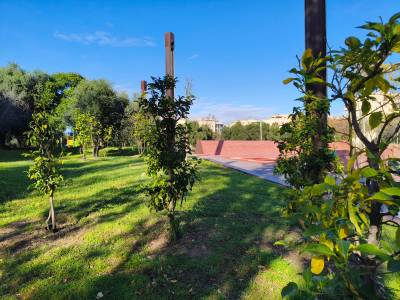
x=109 y=243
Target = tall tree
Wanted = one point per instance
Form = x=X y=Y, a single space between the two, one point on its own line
x=17 y=93
x=98 y=98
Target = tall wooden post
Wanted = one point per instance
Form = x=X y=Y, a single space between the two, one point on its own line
x=143 y=86
x=315 y=34
x=315 y=39
x=169 y=58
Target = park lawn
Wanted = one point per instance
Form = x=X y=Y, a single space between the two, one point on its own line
x=110 y=242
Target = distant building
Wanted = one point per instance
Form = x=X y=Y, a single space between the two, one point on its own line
x=278 y=119
x=275 y=119
x=245 y=122
x=211 y=122
x=380 y=103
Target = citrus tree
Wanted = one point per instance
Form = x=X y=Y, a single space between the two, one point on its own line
x=44 y=136
x=86 y=126
x=173 y=173
x=299 y=161
x=341 y=218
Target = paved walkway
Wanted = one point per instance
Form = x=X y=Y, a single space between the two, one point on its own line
x=262 y=170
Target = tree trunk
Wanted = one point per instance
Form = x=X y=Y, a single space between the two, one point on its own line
x=315 y=39
x=52 y=215
x=173 y=223
x=375 y=215
x=2 y=140
x=96 y=151
x=83 y=152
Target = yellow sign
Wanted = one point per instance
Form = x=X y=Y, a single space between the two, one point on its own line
x=70 y=141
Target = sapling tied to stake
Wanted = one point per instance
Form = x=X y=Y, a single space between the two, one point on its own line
x=173 y=173
x=44 y=136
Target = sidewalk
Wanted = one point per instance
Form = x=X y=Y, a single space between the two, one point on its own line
x=262 y=170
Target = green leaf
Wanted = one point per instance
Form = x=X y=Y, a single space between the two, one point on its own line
x=365 y=107
x=397 y=240
x=369 y=172
x=313 y=230
x=394 y=17
x=352 y=215
x=371 y=249
x=315 y=80
x=318 y=249
x=375 y=119
x=318 y=189
x=383 y=84
x=306 y=58
x=381 y=197
x=281 y=243
x=373 y=26
x=392 y=191
x=343 y=247
x=330 y=180
x=288 y=80
x=351 y=162
x=396 y=47
x=289 y=290
x=396 y=29
x=352 y=42
x=393 y=265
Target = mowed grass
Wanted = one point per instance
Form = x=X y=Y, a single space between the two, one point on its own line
x=110 y=242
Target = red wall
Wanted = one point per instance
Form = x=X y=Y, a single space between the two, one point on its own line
x=268 y=150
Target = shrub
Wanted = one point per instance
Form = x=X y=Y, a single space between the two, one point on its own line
x=113 y=151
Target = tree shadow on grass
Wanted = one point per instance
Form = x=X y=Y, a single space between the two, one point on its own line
x=23 y=243
x=228 y=235
x=13 y=183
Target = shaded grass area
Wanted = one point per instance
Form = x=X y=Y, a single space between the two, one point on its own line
x=110 y=242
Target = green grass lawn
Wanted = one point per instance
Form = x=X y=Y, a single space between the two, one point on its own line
x=110 y=242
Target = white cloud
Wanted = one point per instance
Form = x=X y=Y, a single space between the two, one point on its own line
x=104 y=38
x=194 y=56
x=228 y=112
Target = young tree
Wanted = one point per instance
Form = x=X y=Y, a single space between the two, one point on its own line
x=126 y=135
x=45 y=136
x=143 y=124
x=173 y=174
x=98 y=98
x=342 y=219
x=85 y=127
x=361 y=71
x=197 y=132
x=300 y=161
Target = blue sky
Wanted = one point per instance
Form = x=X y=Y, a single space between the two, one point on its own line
x=235 y=52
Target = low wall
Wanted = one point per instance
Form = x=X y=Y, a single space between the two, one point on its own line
x=268 y=150
x=239 y=149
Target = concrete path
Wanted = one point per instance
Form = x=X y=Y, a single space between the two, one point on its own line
x=262 y=170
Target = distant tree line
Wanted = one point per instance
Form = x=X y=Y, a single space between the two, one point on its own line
x=199 y=132
x=251 y=132
x=98 y=115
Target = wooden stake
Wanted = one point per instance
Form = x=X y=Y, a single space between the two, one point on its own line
x=169 y=57
x=315 y=34
x=143 y=86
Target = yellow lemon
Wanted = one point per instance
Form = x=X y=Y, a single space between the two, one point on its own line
x=317 y=264
x=343 y=232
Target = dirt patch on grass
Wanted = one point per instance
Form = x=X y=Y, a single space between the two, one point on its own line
x=159 y=243
x=23 y=235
